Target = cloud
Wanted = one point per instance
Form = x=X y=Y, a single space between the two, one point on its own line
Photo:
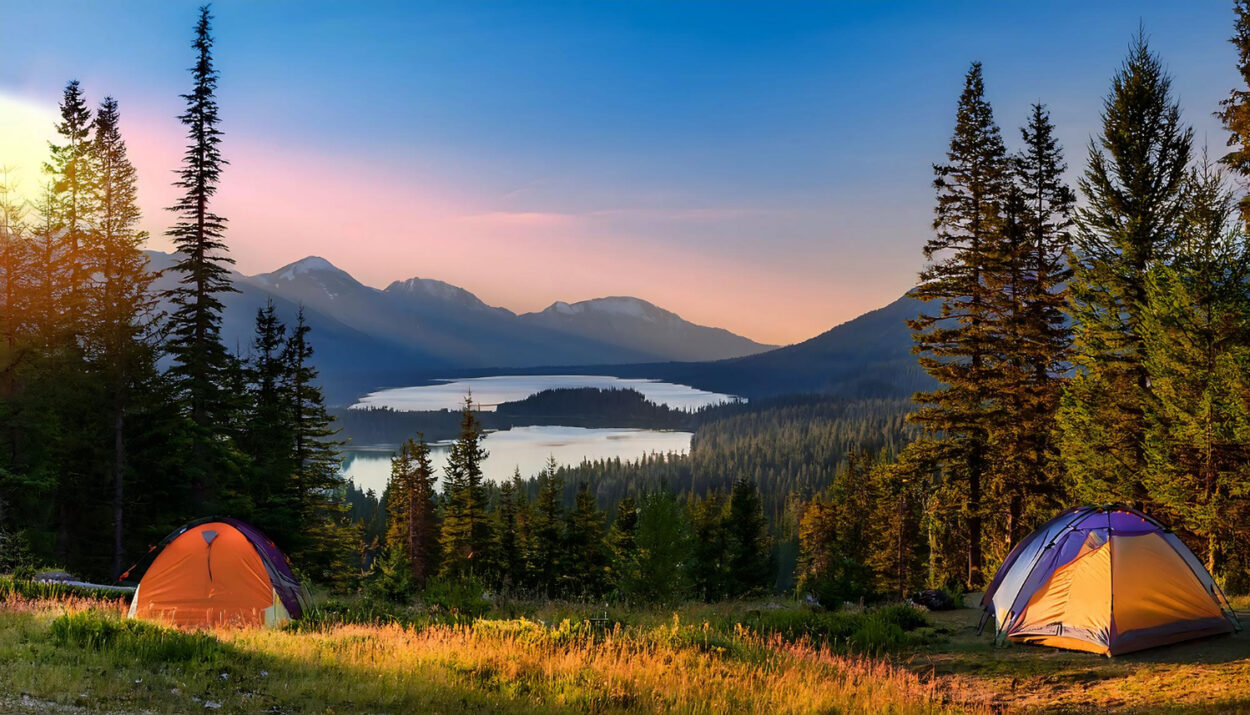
x=523 y=219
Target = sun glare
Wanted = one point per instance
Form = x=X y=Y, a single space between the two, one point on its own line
x=25 y=130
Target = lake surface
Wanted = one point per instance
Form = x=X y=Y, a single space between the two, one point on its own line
x=527 y=448
x=490 y=391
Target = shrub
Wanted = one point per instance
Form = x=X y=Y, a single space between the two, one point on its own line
x=902 y=615
x=144 y=642
x=456 y=597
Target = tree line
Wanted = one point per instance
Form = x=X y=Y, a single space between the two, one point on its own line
x=1089 y=354
x=121 y=421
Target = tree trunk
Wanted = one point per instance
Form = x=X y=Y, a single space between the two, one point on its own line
x=119 y=469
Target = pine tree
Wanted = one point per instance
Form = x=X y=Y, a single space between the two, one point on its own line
x=547 y=543
x=1037 y=339
x=200 y=360
x=71 y=169
x=956 y=344
x=412 y=521
x=1235 y=110
x=709 y=569
x=658 y=569
x=1133 y=187
x=117 y=299
x=318 y=488
x=748 y=542
x=508 y=530
x=583 y=543
x=466 y=534
x=621 y=539
x=1197 y=349
x=268 y=437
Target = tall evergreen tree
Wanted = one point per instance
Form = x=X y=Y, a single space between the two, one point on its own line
x=200 y=360
x=1036 y=242
x=508 y=531
x=466 y=534
x=1196 y=334
x=586 y=571
x=1133 y=189
x=118 y=298
x=956 y=343
x=327 y=537
x=268 y=437
x=709 y=569
x=71 y=169
x=620 y=539
x=547 y=533
x=748 y=542
x=1235 y=110
x=412 y=524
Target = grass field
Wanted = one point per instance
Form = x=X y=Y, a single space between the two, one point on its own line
x=73 y=654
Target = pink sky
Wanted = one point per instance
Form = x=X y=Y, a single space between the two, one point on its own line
x=284 y=203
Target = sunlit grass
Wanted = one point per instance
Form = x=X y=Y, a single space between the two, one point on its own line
x=84 y=653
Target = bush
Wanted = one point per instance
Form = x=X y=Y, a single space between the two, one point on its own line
x=456 y=597
x=903 y=616
x=144 y=642
x=876 y=636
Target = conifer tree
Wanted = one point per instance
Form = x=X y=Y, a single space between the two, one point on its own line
x=956 y=343
x=321 y=510
x=508 y=530
x=268 y=438
x=412 y=520
x=620 y=539
x=71 y=169
x=200 y=360
x=748 y=542
x=709 y=569
x=466 y=534
x=658 y=569
x=547 y=543
x=1036 y=340
x=117 y=300
x=1133 y=186
x=1197 y=349
x=587 y=558
x=1235 y=110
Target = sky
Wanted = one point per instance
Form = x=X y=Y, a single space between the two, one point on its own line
x=763 y=167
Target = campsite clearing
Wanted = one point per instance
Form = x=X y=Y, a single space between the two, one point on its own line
x=80 y=655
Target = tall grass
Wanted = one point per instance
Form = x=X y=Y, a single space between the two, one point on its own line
x=511 y=665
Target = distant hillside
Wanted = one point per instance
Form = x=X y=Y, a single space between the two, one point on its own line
x=420 y=328
x=644 y=327
x=869 y=356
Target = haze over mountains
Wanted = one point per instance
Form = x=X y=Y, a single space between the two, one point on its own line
x=367 y=337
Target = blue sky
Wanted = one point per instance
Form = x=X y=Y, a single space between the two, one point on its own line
x=760 y=166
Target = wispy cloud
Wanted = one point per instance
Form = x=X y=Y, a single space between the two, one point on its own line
x=524 y=219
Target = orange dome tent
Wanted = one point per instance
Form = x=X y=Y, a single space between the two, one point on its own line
x=218 y=572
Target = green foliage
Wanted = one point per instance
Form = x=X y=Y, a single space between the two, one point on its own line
x=658 y=569
x=463 y=596
x=137 y=640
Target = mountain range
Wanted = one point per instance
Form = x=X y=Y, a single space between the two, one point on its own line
x=418 y=328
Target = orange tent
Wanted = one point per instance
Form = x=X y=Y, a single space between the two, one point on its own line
x=218 y=572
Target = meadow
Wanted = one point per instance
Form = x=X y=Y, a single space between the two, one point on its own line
x=64 y=652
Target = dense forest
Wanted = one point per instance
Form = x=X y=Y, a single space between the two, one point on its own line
x=1090 y=351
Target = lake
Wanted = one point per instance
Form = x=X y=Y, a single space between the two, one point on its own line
x=527 y=448
x=490 y=391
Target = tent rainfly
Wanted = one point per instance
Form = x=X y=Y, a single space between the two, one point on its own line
x=218 y=572
x=1107 y=580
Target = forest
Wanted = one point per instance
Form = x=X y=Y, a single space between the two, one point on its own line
x=1089 y=343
